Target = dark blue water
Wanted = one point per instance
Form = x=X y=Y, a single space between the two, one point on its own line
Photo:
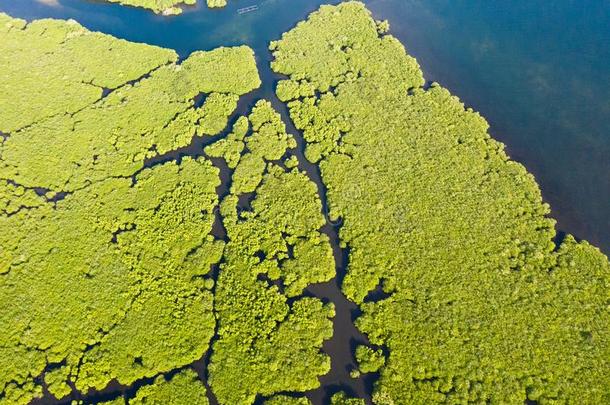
x=539 y=71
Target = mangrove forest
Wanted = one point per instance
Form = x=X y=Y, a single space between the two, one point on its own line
x=167 y=236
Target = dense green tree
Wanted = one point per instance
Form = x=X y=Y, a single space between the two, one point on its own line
x=267 y=344
x=114 y=135
x=105 y=265
x=286 y=400
x=341 y=398
x=109 y=281
x=216 y=3
x=66 y=66
x=482 y=307
x=109 y=270
x=230 y=148
x=369 y=360
x=182 y=388
x=167 y=7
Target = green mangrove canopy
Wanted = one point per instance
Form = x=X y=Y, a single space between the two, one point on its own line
x=152 y=238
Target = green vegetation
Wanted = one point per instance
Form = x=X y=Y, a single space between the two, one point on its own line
x=103 y=264
x=266 y=344
x=231 y=147
x=77 y=142
x=94 y=284
x=64 y=68
x=369 y=360
x=340 y=398
x=286 y=400
x=482 y=306
x=216 y=3
x=183 y=388
x=117 y=270
x=167 y=7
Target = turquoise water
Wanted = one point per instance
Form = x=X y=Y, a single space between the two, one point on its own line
x=539 y=72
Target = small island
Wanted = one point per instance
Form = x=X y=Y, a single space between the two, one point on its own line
x=167 y=7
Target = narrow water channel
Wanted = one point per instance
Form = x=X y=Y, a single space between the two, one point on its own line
x=346 y=337
x=340 y=348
